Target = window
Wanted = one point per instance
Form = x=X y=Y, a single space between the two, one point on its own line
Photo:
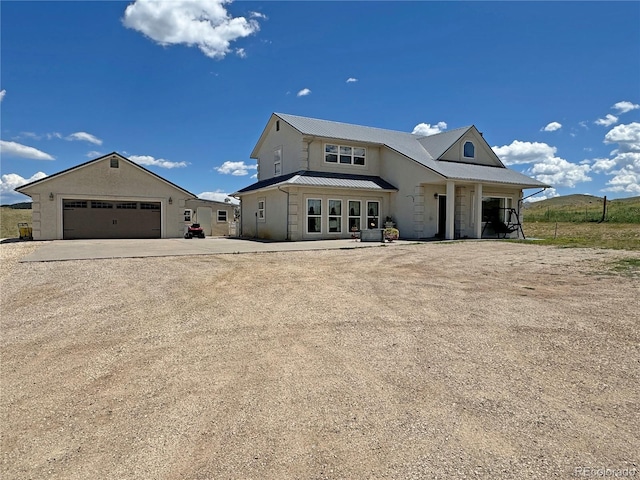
x=75 y=204
x=495 y=208
x=277 y=125
x=277 y=161
x=96 y=204
x=114 y=163
x=127 y=205
x=187 y=215
x=261 y=209
x=354 y=215
x=149 y=206
x=222 y=215
x=469 y=150
x=314 y=215
x=335 y=216
x=373 y=212
x=345 y=155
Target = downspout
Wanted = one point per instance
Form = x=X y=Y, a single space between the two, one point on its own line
x=308 y=152
x=287 y=218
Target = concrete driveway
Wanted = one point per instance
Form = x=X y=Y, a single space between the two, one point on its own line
x=60 y=250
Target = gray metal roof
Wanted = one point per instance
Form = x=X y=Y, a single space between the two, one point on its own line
x=322 y=179
x=425 y=150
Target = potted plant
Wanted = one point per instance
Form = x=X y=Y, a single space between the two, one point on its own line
x=389 y=223
x=391 y=234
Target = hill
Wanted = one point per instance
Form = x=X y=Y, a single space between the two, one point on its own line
x=582 y=208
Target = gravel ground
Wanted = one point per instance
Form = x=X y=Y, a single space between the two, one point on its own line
x=444 y=360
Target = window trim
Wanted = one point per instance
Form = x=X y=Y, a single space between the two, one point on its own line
x=330 y=216
x=262 y=211
x=349 y=216
x=315 y=215
x=277 y=161
x=372 y=216
x=226 y=216
x=473 y=146
x=339 y=155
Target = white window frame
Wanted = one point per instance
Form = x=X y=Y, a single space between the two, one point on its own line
x=314 y=215
x=472 y=146
x=277 y=161
x=226 y=216
x=262 y=209
x=373 y=216
x=349 y=216
x=334 y=216
x=339 y=155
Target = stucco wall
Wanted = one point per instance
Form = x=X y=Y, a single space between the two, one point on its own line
x=293 y=155
x=318 y=164
x=98 y=181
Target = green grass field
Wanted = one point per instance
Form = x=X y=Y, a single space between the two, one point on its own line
x=582 y=208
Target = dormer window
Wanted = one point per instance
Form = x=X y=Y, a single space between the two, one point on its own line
x=469 y=150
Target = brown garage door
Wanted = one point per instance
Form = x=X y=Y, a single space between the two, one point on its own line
x=102 y=219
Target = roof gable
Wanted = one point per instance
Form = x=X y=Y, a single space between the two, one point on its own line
x=24 y=188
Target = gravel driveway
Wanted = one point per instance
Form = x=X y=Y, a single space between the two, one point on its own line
x=452 y=360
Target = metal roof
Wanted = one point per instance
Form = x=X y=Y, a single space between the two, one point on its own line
x=322 y=179
x=425 y=150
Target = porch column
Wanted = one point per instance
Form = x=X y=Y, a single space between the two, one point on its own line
x=478 y=212
x=449 y=228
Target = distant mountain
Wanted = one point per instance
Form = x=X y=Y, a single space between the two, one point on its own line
x=19 y=206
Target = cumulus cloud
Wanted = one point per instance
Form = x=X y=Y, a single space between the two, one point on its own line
x=156 y=162
x=547 y=167
x=624 y=107
x=202 y=23
x=428 y=129
x=601 y=165
x=93 y=154
x=607 y=121
x=10 y=181
x=219 y=196
x=351 y=80
x=23 y=151
x=237 y=169
x=2 y=94
x=241 y=52
x=552 y=127
x=624 y=166
x=304 y=92
x=548 y=193
x=84 y=137
x=626 y=136
x=258 y=15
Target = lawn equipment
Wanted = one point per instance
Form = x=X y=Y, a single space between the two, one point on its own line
x=194 y=230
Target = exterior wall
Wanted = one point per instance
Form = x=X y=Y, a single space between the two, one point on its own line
x=98 y=181
x=483 y=153
x=206 y=213
x=294 y=156
x=413 y=207
x=273 y=226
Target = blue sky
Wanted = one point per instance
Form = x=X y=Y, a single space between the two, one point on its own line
x=554 y=86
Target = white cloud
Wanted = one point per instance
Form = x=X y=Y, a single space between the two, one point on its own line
x=18 y=150
x=218 y=196
x=304 y=92
x=624 y=107
x=548 y=193
x=519 y=152
x=10 y=181
x=351 y=80
x=241 y=52
x=202 y=23
x=237 y=169
x=258 y=15
x=607 y=121
x=93 y=154
x=82 y=137
x=159 y=162
x=624 y=167
x=2 y=94
x=552 y=127
x=625 y=180
x=601 y=165
x=427 y=129
x=627 y=136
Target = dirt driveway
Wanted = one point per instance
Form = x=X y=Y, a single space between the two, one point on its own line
x=453 y=360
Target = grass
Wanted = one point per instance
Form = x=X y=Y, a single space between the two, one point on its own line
x=619 y=236
x=9 y=219
x=583 y=208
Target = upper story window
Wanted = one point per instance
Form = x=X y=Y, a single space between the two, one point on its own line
x=469 y=150
x=277 y=161
x=114 y=163
x=345 y=155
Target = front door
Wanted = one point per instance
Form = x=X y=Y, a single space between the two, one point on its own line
x=442 y=215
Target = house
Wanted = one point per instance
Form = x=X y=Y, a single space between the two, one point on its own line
x=320 y=179
x=113 y=197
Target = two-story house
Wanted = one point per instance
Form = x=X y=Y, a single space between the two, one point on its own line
x=319 y=179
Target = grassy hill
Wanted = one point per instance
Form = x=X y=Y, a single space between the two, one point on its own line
x=9 y=219
x=582 y=208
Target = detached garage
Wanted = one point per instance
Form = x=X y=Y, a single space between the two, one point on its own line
x=109 y=197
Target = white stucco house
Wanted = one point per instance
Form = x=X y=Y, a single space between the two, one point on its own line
x=113 y=197
x=320 y=179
